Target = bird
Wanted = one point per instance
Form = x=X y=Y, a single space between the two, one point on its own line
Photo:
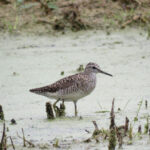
x=73 y=87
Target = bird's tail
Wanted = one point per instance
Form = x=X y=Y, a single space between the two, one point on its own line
x=36 y=90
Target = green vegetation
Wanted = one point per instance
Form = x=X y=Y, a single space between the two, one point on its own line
x=1 y=113
x=146 y=127
x=62 y=15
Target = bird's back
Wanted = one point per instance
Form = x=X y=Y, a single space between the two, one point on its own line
x=69 y=88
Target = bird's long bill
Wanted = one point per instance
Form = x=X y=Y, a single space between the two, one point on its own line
x=105 y=73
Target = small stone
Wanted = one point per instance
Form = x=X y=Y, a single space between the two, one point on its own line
x=14 y=73
x=87 y=140
x=13 y=122
x=119 y=109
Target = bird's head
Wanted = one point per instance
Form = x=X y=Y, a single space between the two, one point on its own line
x=94 y=68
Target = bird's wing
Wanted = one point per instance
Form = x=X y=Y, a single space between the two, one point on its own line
x=74 y=80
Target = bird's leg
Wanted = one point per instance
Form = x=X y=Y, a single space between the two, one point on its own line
x=75 y=107
x=62 y=105
x=55 y=107
x=63 y=102
x=62 y=109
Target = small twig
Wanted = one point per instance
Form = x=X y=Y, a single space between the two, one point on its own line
x=87 y=131
x=100 y=105
x=24 y=142
x=30 y=143
x=120 y=137
x=112 y=116
x=146 y=104
x=140 y=105
x=95 y=125
x=5 y=142
x=87 y=140
x=139 y=129
x=1 y=113
x=96 y=132
x=126 y=105
x=130 y=132
x=12 y=143
x=112 y=134
x=126 y=126
x=3 y=137
x=146 y=127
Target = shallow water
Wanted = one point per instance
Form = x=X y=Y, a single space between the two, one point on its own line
x=33 y=61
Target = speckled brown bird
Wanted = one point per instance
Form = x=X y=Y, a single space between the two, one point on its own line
x=74 y=87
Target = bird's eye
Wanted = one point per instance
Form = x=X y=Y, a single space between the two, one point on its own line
x=94 y=67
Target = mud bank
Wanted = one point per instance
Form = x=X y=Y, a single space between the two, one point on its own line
x=33 y=61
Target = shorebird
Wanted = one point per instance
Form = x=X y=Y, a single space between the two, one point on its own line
x=74 y=87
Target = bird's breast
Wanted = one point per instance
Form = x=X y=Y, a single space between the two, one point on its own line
x=89 y=86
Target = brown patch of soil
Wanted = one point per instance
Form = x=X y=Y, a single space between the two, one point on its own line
x=37 y=16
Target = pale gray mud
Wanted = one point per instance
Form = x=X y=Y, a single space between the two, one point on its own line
x=33 y=61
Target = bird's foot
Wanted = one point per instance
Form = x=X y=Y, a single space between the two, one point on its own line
x=59 y=111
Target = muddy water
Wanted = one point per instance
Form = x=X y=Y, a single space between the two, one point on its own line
x=33 y=61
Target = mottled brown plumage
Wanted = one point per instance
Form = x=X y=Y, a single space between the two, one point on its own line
x=73 y=87
x=59 y=85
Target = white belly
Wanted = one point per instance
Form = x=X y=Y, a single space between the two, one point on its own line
x=73 y=96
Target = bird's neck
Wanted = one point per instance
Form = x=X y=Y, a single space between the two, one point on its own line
x=92 y=74
x=91 y=81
